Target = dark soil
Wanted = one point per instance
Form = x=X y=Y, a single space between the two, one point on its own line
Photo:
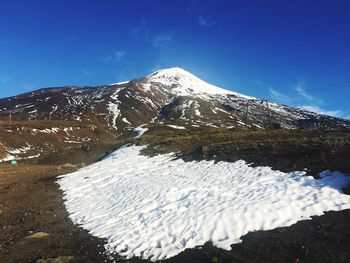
x=285 y=150
x=31 y=202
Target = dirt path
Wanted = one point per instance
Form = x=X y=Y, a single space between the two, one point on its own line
x=33 y=221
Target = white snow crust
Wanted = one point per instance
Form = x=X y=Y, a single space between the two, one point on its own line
x=140 y=130
x=113 y=108
x=119 y=83
x=177 y=127
x=7 y=158
x=156 y=207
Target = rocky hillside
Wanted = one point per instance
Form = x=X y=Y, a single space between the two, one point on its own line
x=62 y=121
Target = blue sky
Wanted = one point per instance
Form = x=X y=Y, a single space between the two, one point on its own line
x=284 y=51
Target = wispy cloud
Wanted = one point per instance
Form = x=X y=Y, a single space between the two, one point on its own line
x=334 y=113
x=277 y=95
x=116 y=57
x=140 y=31
x=205 y=21
x=302 y=92
x=201 y=11
x=298 y=96
x=162 y=41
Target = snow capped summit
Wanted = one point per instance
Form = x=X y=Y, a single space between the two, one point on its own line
x=183 y=83
x=172 y=98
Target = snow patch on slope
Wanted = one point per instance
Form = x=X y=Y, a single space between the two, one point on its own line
x=140 y=130
x=177 y=127
x=7 y=158
x=119 y=83
x=113 y=109
x=21 y=150
x=154 y=208
x=126 y=121
x=47 y=130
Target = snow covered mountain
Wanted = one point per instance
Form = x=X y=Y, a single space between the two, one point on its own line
x=182 y=83
x=75 y=116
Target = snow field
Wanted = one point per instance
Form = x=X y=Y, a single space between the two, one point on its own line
x=140 y=130
x=156 y=207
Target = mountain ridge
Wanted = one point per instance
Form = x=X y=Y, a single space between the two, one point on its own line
x=77 y=117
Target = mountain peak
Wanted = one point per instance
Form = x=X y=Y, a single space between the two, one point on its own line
x=182 y=82
x=172 y=71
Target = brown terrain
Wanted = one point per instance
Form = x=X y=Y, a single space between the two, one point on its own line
x=34 y=224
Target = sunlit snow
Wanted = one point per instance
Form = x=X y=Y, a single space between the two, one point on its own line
x=184 y=83
x=156 y=207
x=140 y=130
